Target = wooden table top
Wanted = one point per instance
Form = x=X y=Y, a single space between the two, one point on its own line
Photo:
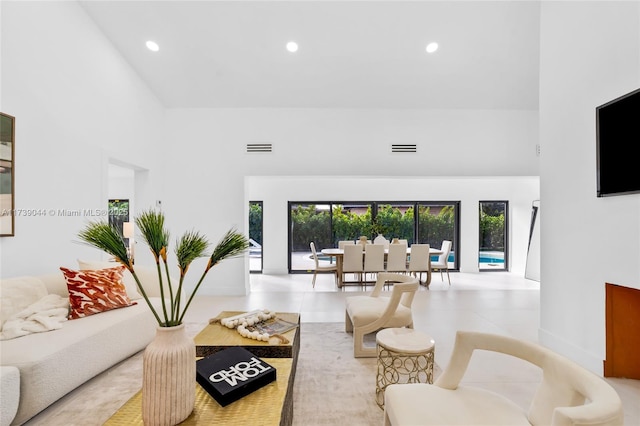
x=215 y=337
x=264 y=406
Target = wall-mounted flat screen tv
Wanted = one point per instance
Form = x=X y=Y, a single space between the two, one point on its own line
x=618 y=142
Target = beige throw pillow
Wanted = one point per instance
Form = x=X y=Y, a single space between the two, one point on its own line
x=127 y=279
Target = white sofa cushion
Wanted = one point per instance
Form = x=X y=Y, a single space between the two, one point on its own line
x=461 y=407
x=366 y=309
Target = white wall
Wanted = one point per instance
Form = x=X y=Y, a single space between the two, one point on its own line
x=275 y=192
x=586 y=241
x=208 y=163
x=78 y=105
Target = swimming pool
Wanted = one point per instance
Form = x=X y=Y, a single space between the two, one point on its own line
x=491 y=258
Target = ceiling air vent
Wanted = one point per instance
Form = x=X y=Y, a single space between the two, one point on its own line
x=259 y=147
x=404 y=148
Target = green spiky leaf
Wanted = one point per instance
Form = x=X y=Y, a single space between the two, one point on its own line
x=107 y=238
x=151 y=225
x=232 y=244
x=189 y=247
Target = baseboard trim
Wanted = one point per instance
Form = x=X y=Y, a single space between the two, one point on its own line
x=577 y=354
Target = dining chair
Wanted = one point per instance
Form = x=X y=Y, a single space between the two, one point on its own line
x=373 y=259
x=419 y=261
x=352 y=262
x=443 y=260
x=380 y=239
x=397 y=258
x=321 y=268
x=375 y=311
x=343 y=243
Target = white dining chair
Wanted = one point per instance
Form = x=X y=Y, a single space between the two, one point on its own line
x=352 y=262
x=443 y=260
x=397 y=258
x=419 y=261
x=343 y=243
x=380 y=239
x=321 y=268
x=373 y=259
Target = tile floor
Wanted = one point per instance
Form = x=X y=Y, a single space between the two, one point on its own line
x=497 y=302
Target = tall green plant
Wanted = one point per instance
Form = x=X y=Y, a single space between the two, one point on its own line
x=190 y=246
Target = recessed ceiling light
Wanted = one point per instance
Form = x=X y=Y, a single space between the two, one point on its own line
x=292 y=46
x=153 y=46
x=432 y=47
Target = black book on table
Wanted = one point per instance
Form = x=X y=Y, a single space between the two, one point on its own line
x=233 y=373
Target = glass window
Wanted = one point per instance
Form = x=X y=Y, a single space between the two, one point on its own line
x=395 y=220
x=438 y=222
x=351 y=221
x=327 y=223
x=493 y=236
x=255 y=236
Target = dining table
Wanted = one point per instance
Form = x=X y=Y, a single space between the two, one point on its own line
x=338 y=254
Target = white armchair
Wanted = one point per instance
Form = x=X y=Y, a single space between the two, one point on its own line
x=567 y=395
x=373 y=312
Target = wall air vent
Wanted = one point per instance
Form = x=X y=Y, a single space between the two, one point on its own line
x=259 y=147
x=404 y=148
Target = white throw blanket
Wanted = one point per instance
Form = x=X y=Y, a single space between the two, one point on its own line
x=46 y=314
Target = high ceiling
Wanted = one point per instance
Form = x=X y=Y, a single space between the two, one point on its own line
x=352 y=54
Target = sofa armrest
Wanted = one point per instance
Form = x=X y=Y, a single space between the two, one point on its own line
x=9 y=393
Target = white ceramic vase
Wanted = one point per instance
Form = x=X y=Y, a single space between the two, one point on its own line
x=169 y=377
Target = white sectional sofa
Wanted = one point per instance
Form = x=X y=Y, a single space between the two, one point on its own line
x=55 y=362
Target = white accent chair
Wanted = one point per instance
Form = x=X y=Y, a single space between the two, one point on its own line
x=373 y=312
x=352 y=262
x=568 y=394
x=443 y=262
x=419 y=261
x=321 y=268
x=397 y=258
x=373 y=259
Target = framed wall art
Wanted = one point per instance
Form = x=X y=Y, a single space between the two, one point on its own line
x=7 y=175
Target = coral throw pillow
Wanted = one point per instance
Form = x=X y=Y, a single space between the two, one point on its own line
x=95 y=291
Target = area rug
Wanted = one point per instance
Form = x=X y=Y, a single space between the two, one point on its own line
x=331 y=386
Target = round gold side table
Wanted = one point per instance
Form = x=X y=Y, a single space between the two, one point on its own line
x=404 y=356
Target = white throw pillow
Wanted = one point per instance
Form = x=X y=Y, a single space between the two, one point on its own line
x=127 y=279
x=17 y=294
